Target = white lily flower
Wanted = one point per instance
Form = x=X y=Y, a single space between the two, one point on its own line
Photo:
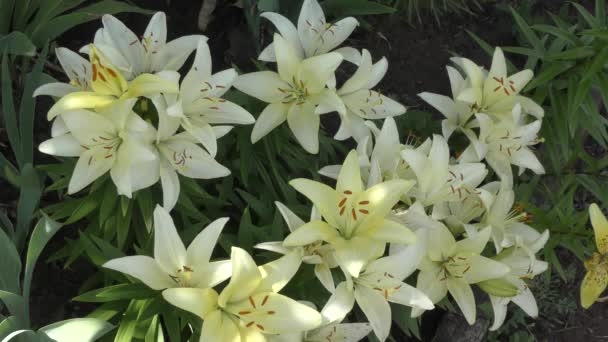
x=108 y=85
x=504 y=143
x=381 y=282
x=76 y=68
x=293 y=93
x=451 y=266
x=313 y=36
x=497 y=93
x=437 y=180
x=152 y=53
x=385 y=161
x=355 y=224
x=507 y=221
x=328 y=331
x=316 y=253
x=249 y=307
x=173 y=265
x=362 y=103
x=115 y=140
x=346 y=332
x=179 y=153
x=457 y=113
x=524 y=266
x=199 y=103
x=457 y=214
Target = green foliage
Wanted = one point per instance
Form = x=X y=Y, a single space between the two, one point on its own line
x=27 y=24
x=416 y=10
x=568 y=55
x=15 y=295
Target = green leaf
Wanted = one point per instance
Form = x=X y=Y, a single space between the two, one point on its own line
x=117 y=292
x=6 y=11
x=87 y=329
x=598 y=63
x=43 y=232
x=87 y=205
x=146 y=207
x=128 y=324
x=108 y=203
x=29 y=197
x=344 y=8
x=17 y=43
x=10 y=265
x=528 y=32
x=27 y=108
x=15 y=305
x=9 y=114
x=589 y=18
x=52 y=28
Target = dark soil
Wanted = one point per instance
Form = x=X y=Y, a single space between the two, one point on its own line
x=417 y=58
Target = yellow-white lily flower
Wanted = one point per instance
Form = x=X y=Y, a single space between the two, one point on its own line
x=361 y=102
x=199 y=103
x=437 y=180
x=107 y=86
x=596 y=279
x=457 y=113
x=451 y=266
x=180 y=153
x=249 y=307
x=313 y=36
x=496 y=93
x=316 y=253
x=76 y=68
x=457 y=214
x=293 y=93
x=346 y=332
x=328 y=331
x=507 y=221
x=381 y=282
x=355 y=224
x=173 y=265
x=134 y=55
x=384 y=162
x=524 y=267
x=115 y=140
x=504 y=143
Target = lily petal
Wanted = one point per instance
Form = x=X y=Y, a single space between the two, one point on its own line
x=311 y=232
x=143 y=268
x=201 y=248
x=200 y=302
x=600 y=228
x=376 y=309
x=169 y=250
x=269 y=93
x=463 y=295
x=339 y=304
x=304 y=124
x=273 y=313
x=245 y=278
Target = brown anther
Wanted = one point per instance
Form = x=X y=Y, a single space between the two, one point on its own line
x=342 y=211
x=364 y=202
x=363 y=211
x=264 y=300
x=342 y=202
x=242 y=313
x=252 y=302
x=271 y=312
x=250 y=324
x=348 y=192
